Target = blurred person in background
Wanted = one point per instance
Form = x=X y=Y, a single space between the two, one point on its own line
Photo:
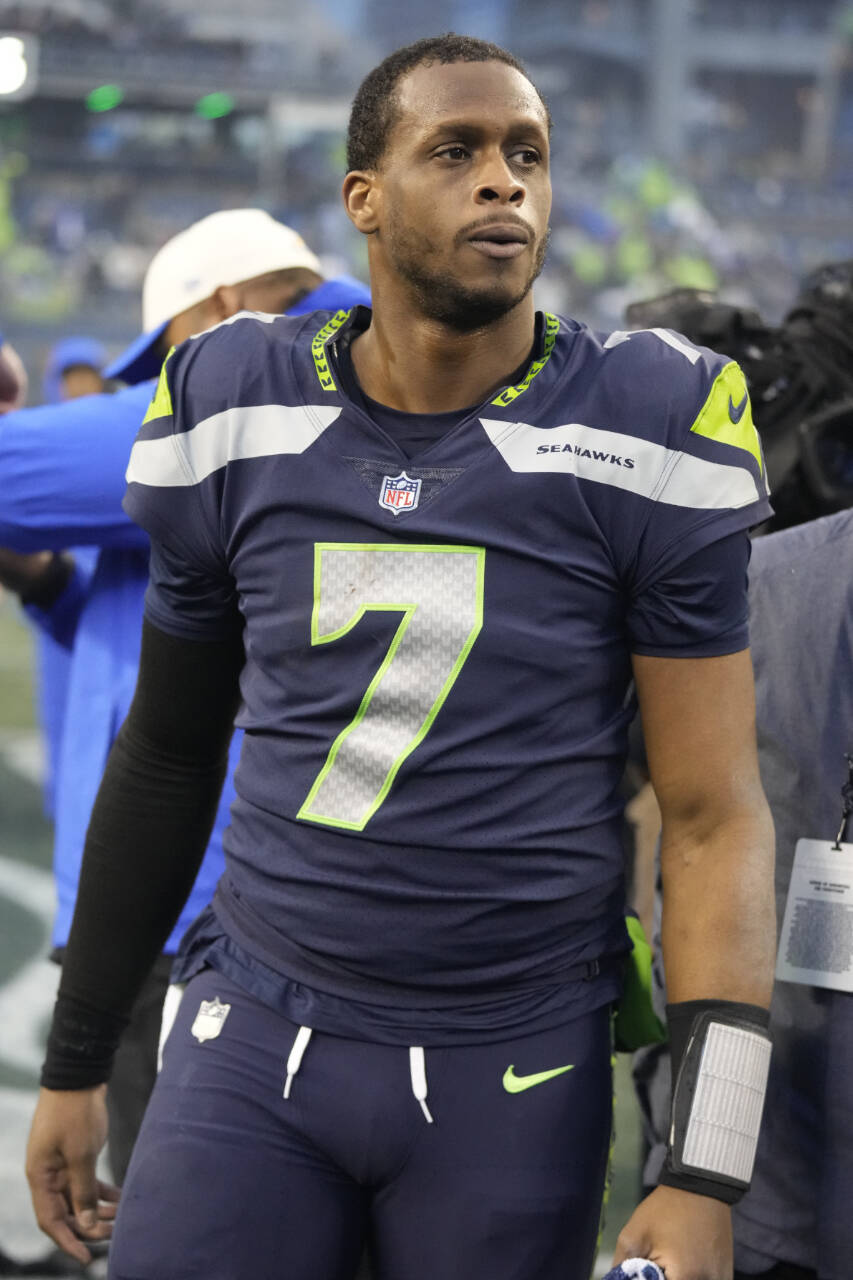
x=795 y=1223
x=397 y=1018
x=74 y=368
x=62 y=470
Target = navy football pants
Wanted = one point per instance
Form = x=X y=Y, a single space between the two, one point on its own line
x=231 y=1181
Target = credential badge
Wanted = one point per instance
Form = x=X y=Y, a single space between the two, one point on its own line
x=210 y=1019
x=399 y=493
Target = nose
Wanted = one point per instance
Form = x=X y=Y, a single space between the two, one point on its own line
x=496 y=182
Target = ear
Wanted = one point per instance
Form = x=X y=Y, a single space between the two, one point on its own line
x=362 y=200
x=226 y=301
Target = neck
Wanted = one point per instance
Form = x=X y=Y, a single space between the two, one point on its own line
x=418 y=365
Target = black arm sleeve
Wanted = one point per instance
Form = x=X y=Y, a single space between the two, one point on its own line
x=147 y=835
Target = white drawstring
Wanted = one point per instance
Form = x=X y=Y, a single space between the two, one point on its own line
x=294 y=1059
x=417 y=1067
x=171 y=1004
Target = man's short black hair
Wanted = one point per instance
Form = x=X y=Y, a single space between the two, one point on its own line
x=375 y=108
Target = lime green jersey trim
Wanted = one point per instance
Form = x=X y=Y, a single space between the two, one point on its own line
x=318 y=348
x=552 y=328
x=517 y=1084
x=726 y=415
x=161 y=405
x=328 y=331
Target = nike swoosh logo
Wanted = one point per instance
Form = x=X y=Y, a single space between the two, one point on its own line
x=736 y=411
x=517 y=1084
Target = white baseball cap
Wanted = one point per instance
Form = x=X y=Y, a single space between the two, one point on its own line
x=223 y=248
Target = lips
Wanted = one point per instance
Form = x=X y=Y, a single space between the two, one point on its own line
x=500 y=240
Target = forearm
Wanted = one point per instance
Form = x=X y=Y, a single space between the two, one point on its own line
x=126 y=905
x=146 y=839
x=147 y=835
x=718 y=931
x=719 y=922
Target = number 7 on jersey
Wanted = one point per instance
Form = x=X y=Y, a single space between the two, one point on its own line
x=439 y=591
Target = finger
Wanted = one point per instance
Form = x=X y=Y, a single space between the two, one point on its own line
x=102 y=1230
x=69 y=1243
x=52 y=1216
x=106 y=1191
x=627 y=1247
x=83 y=1193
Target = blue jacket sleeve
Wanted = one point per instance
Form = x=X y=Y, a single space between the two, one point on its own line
x=62 y=472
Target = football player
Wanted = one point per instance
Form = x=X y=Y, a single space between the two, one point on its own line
x=430 y=555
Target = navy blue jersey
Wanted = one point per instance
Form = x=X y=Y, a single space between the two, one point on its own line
x=438 y=678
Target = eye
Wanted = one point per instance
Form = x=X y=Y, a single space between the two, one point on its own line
x=526 y=156
x=454 y=152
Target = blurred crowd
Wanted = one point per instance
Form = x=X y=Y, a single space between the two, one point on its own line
x=86 y=196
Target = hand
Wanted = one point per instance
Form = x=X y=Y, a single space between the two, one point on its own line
x=21 y=570
x=68 y=1131
x=689 y=1236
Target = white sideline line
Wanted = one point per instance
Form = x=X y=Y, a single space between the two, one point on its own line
x=22 y=751
x=19 y=1234
x=27 y=998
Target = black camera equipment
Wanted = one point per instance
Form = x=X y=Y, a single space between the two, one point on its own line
x=800 y=378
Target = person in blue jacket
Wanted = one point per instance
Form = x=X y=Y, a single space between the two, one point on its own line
x=62 y=480
x=73 y=369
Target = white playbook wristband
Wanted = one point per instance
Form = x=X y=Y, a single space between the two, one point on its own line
x=717 y=1102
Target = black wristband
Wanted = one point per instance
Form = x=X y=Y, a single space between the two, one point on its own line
x=81 y=1045
x=689 y=1022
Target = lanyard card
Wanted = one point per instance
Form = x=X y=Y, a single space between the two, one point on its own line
x=816 y=946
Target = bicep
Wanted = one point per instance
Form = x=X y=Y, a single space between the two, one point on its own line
x=688 y=630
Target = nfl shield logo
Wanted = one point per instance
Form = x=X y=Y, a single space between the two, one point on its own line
x=399 y=493
x=210 y=1019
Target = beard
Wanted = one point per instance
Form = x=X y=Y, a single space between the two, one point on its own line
x=445 y=299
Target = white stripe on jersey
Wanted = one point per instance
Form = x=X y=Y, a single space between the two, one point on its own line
x=671 y=339
x=253 y=431
x=626 y=462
